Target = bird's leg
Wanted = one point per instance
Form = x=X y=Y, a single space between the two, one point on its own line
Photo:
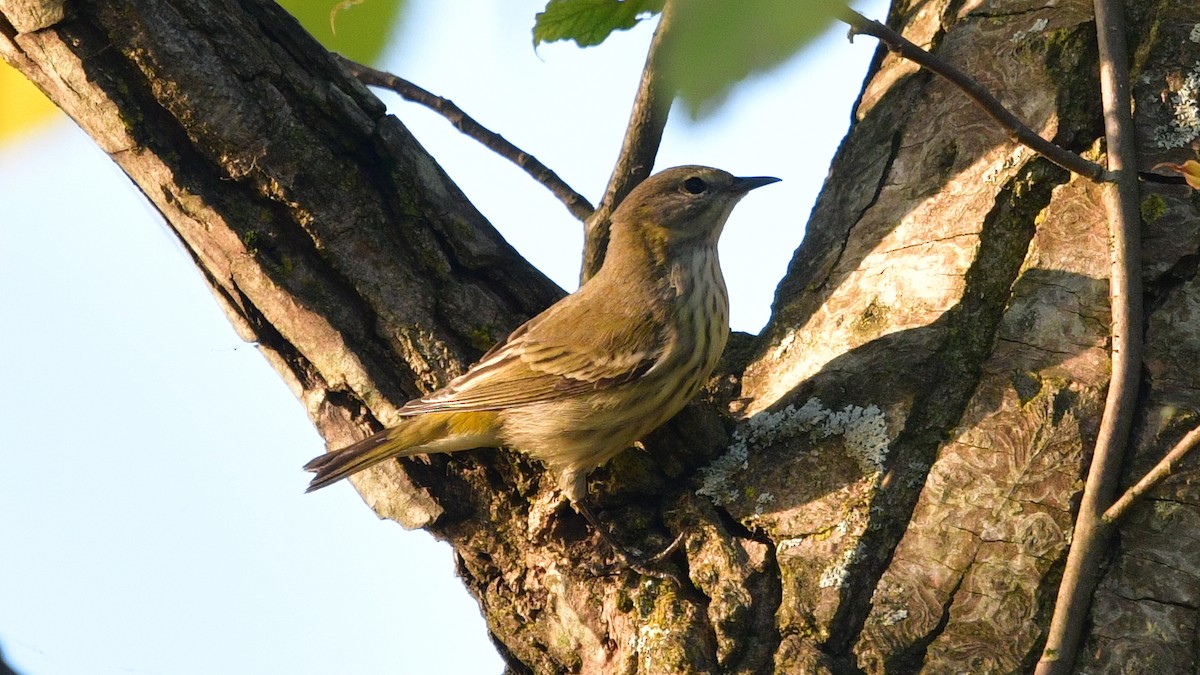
x=634 y=561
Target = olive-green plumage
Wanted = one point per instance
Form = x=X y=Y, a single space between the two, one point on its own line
x=602 y=367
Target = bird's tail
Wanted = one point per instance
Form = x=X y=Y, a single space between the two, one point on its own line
x=417 y=435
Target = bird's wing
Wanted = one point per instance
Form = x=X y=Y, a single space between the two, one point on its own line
x=560 y=353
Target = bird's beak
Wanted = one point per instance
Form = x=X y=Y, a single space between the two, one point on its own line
x=743 y=185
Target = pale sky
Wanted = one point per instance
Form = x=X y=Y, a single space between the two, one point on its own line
x=153 y=518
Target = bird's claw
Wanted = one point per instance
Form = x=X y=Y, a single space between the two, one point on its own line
x=649 y=566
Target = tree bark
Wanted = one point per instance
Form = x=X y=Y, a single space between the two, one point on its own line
x=883 y=480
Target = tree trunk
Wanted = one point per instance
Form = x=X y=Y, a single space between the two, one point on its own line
x=921 y=407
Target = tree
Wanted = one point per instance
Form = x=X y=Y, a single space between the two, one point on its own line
x=883 y=479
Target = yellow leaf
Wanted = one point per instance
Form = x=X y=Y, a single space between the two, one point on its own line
x=1190 y=170
x=1191 y=173
x=22 y=106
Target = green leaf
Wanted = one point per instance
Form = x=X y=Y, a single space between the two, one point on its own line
x=589 y=22
x=718 y=43
x=356 y=29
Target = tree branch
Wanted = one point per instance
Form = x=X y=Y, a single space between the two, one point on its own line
x=640 y=146
x=1152 y=478
x=1017 y=129
x=576 y=203
x=1082 y=570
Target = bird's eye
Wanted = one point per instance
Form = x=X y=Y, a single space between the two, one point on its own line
x=695 y=185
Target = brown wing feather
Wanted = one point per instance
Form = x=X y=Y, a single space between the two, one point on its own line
x=554 y=355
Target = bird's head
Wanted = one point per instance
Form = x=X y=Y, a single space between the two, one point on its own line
x=681 y=205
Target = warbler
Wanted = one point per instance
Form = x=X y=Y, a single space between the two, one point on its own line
x=604 y=366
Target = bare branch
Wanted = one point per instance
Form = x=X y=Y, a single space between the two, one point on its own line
x=642 y=138
x=576 y=203
x=1152 y=478
x=977 y=93
x=1088 y=545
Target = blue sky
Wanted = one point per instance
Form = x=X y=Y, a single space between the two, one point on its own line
x=153 y=516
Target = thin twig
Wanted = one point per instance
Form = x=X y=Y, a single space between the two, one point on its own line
x=576 y=203
x=1152 y=478
x=976 y=92
x=1088 y=543
x=643 y=136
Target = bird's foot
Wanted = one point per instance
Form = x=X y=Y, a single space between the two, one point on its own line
x=649 y=566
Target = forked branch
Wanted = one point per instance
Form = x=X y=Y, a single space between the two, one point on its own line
x=643 y=135
x=1153 y=477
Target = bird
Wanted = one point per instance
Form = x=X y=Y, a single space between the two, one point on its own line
x=602 y=367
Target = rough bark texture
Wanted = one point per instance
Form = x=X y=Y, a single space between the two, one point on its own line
x=924 y=399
